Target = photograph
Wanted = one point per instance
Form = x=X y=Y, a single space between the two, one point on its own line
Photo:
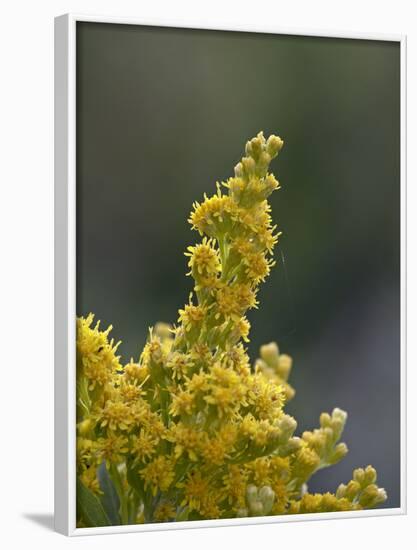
x=237 y=275
x=207 y=270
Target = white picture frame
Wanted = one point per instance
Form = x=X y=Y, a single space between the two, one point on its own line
x=65 y=281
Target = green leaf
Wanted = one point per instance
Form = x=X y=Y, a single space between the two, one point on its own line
x=90 y=508
x=110 y=499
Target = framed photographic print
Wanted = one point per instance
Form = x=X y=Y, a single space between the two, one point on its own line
x=228 y=202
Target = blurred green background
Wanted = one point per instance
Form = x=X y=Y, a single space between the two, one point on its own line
x=163 y=113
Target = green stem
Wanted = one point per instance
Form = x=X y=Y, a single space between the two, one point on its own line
x=164 y=400
x=222 y=250
x=124 y=504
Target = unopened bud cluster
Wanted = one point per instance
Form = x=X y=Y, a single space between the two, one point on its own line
x=259 y=501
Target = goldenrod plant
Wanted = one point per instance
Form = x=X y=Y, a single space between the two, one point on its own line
x=191 y=430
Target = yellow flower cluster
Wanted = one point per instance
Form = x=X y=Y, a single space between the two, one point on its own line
x=191 y=430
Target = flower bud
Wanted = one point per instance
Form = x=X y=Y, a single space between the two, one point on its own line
x=263 y=163
x=371 y=496
x=155 y=351
x=382 y=496
x=274 y=145
x=370 y=475
x=163 y=330
x=248 y=165
x=292 y=445
x=338 y=422
x=339 y=415
x=287 y=425
x=329 y=434
x=270 y=184
x=289 y=392
x=275 y=436
x=352 y=489
x=267 y=497
x=325 y=420
x=85 y=426
x=236 y=186
x=284 y=367
x=359 y=475
x=239 y=170
x=251 y=493
x=339 y=452
x=341 y=491
x=256 y=508
x=254 y=146
x=270 y=354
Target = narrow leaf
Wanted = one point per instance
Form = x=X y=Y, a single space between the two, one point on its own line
x=89 y=507
x=110 y=499
x=136 y=482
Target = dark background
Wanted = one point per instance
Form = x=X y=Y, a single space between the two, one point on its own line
x=163 y=113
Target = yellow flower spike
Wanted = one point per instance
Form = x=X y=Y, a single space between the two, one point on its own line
x=192 y=431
